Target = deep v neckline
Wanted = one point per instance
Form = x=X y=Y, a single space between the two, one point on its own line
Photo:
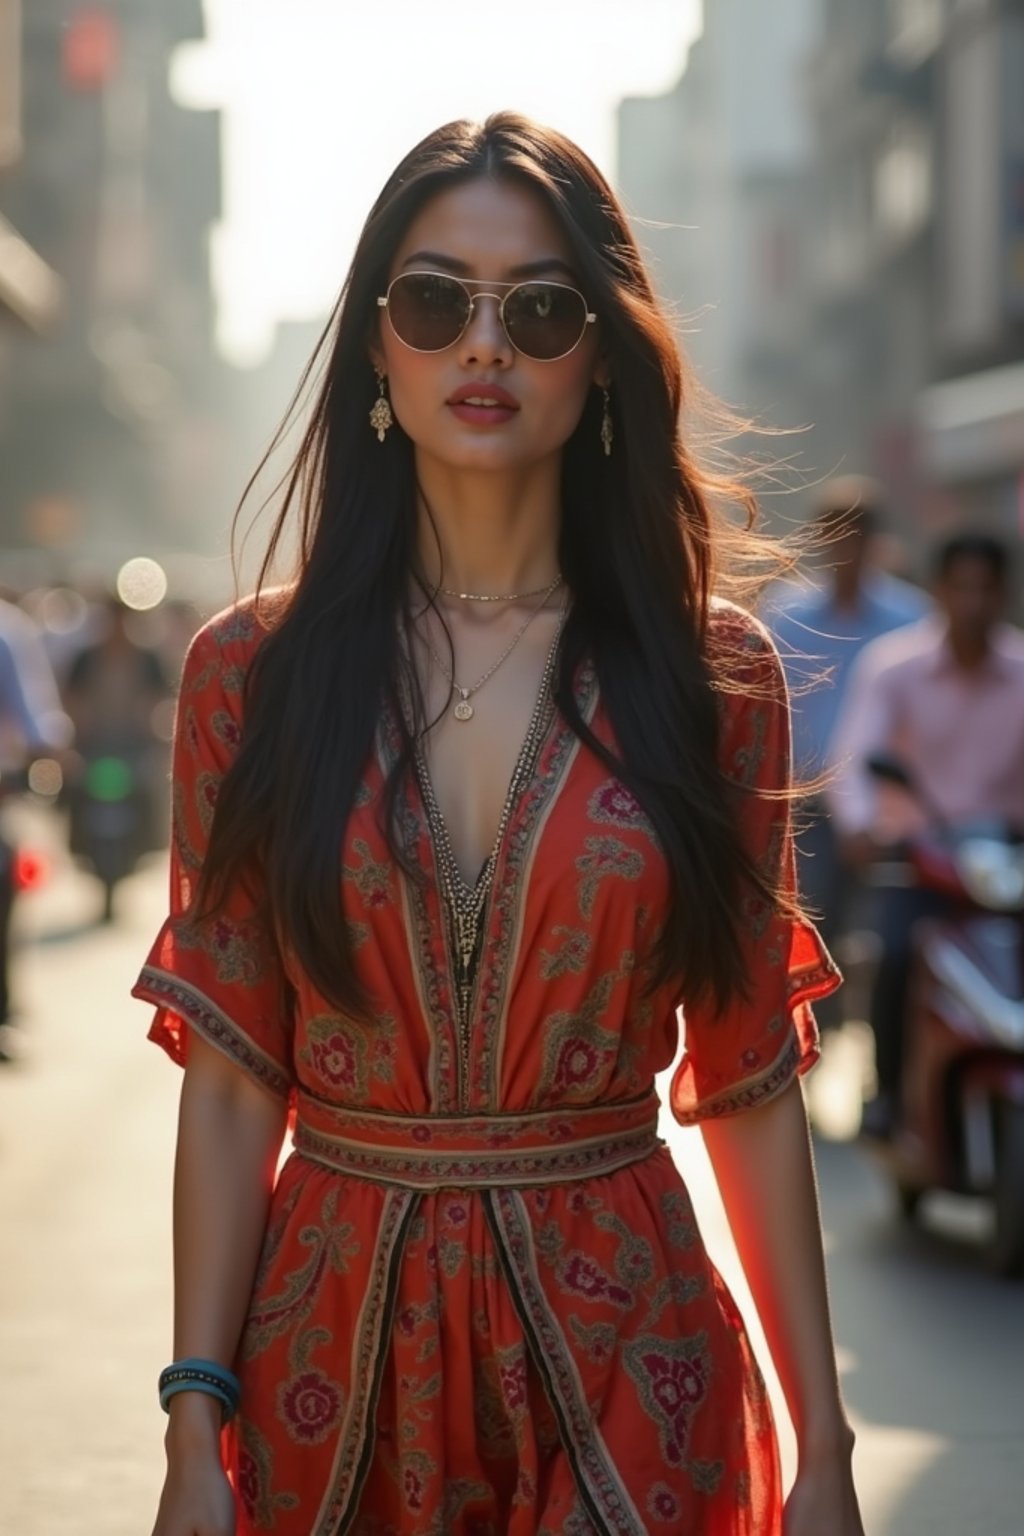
x=536 y=729
x=466 y=907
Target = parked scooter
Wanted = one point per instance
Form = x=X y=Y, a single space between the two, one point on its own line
x=960 y=1125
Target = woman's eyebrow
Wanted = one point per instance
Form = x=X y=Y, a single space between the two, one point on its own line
x=463 y=269
x=435 y=259
x=545 y=264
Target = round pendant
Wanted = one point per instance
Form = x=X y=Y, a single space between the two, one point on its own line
x=463 y=710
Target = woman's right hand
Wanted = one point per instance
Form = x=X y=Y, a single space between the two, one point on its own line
x=197 y=1499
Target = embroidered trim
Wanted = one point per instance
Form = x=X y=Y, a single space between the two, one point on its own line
x=428 y=1008
x=600 y=1488
x=753 y=1090
x=483 y=1170
x=478 y=1151
x=428 y=949
x=556 y=754
x=422 y=927
x=165 y=990
x=559 y=1122
x=811 y=982
x=370 y=1354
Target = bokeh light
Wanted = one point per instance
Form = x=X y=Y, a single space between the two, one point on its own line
x=61 y=610
x=141 y=583
x=46 y=777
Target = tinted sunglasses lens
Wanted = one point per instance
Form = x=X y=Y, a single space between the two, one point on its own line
x=545 y=320
x=427 y=311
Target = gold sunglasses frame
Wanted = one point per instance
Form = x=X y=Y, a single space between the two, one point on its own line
x=487 y=293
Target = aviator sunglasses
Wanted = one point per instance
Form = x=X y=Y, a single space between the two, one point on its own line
x=429 y=311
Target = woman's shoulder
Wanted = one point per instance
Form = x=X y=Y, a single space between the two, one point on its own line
x=236 y=632
x=738 y=646
x=221 y=652
x=750 y=687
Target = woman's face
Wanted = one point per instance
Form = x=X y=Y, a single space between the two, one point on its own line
x=497 y=232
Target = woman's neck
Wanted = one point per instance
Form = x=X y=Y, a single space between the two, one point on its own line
x=488 y=533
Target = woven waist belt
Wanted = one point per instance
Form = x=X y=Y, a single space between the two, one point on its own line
x=483 y=1151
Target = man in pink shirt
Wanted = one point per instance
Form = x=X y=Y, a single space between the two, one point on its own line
x=946 y=698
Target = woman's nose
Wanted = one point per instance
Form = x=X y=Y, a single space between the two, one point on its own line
x=484 y=340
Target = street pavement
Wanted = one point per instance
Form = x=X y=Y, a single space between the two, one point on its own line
x=931 y=1348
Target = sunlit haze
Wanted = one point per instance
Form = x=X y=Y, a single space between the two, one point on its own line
x=322 y=97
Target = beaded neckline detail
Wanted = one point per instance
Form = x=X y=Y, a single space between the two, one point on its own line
x=464 y=905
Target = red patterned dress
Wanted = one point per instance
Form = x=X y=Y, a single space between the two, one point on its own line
x=483 y=1305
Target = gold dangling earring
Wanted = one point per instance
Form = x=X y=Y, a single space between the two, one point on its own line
x=607 y=430
x=381 y=416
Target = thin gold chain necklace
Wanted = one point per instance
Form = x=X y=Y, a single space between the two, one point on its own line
x=497 y=597
x=463 y=709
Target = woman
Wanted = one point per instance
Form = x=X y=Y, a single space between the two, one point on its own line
x=507 y=788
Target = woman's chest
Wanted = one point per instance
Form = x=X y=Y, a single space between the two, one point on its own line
x=538 y=992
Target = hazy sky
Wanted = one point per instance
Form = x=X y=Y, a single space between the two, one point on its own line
x=323 y=97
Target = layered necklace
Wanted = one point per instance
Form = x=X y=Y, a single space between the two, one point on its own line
x=462 y=709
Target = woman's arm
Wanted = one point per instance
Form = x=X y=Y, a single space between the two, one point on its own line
x=230 y=1132
x=764 y=1166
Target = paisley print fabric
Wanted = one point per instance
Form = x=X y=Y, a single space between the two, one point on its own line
x=483 y=1307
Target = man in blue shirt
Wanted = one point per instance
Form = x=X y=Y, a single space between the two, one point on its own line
x=820 y=628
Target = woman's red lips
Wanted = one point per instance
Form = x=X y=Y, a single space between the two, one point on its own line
x=484 y=396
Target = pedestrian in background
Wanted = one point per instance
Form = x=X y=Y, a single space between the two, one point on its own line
x=115 y=684
x=117 y=692
x=821 y=627
x=32 y=718
x=461 y=816
x=32 y=722
x=945 y=698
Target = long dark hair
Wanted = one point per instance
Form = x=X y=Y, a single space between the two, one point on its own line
x=640 y=547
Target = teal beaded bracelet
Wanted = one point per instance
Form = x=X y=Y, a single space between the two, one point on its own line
x=194 y=1385
x=196 y=1375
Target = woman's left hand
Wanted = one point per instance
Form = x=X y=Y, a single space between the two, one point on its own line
x=823 y=1498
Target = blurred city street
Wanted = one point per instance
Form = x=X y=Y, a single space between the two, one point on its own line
x=811 y=300
x=927 y=1339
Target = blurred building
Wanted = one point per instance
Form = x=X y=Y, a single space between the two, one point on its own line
x=917 y=313
x=865 y=236
x=107 y=438
x=715 y=175
x=30 y=291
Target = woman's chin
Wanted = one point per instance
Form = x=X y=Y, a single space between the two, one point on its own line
x=488 y=453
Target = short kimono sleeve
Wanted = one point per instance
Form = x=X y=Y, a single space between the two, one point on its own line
x=749 y=1052
x=221 y=975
